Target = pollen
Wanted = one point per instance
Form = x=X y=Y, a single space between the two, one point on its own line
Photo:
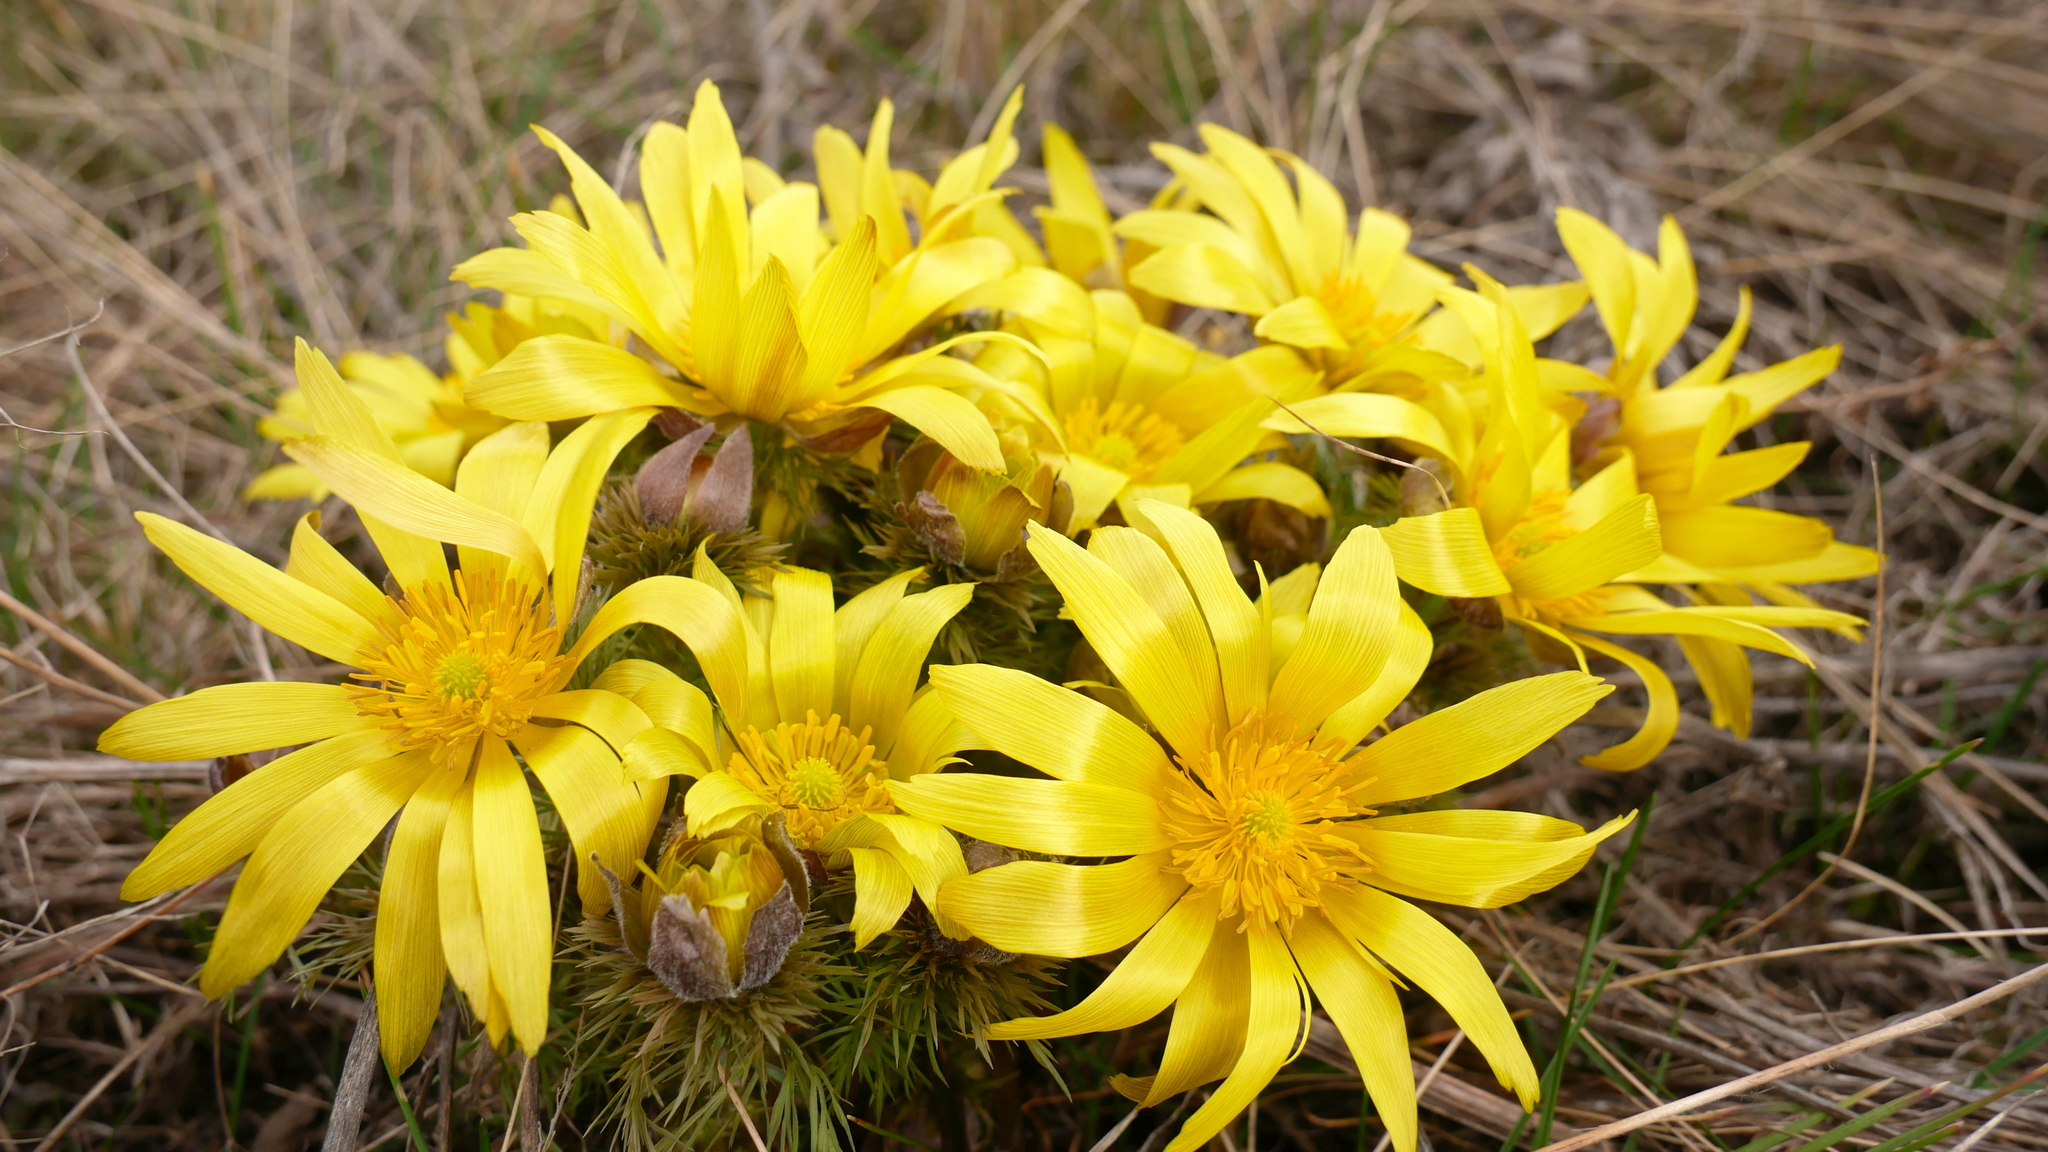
x=1127 y=437
x=1257 y=817
x=462 y=661
x=821 y=773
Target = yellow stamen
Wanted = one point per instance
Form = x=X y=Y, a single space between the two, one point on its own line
x=1127 y=437
x=1252 y=819
x=820 y=773
x=461 y=662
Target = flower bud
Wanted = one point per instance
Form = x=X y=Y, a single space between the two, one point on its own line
x=975 y=519
x=716 y=916
x=677 y=482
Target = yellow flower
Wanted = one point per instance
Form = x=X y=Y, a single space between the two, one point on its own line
x=1563 y=562
x=460 y=670
x=819 y=710
x=1678 y=433
x=1254 y=869
x=1143 y=412
x=748 y=316
x=1354 y=301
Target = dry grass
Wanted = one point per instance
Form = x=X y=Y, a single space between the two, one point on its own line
x=226 y=175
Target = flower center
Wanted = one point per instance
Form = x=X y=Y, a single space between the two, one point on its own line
x=460 y=662
x=1256 y=819
x=1127 y=437
x=815 y=783
x=1356 y=310
x=820 y=773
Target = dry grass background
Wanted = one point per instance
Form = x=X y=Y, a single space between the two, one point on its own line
x=228 y=174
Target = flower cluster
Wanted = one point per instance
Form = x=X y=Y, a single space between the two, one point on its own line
x=863 y=577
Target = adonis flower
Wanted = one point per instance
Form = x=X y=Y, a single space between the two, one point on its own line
x=1144 y=412
x=462 y=674
x=746 y=315
x=1560 y=561
x=1678 y=432
x=1252 y=868
x=820 y=712
x=424 y=414
x=1353 y=301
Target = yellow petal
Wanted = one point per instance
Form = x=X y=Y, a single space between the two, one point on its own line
x=665 y=189
x=767 y=358
x=1302 y=322
x=1059 y=732
x=800 y=648
x=1056 y=817
x=785 y=229
x=606 y=713
x=912 y=290
x=1240 y=635
x=462 y=924
x=1094 y=486
x=1351 y=629
x=1362 y=1004
x=1366 y=414
x=1739 y=537
x=1147 y=568
x=512 y=890
x=1838 y=561
x=1432 y=956
x=1208 y=1031
x=1204 y=277
x=316 y=563
x=694 y=613
x=600 y=810
x=1130 y=638
x=1602 y=258
x=1412 y=648
x=834 y=310
x=407 y=953
x=1277 y=1004
x=946 y=417
x=717 y=172
x=1148 y=979
x=929 y=736
x=1659 y=720
x=1158 y=228
x=539 y=274
x=1748 y=627
x=1265 y=480
x=1725 y=679
x=1446 y=553
x=1602 y=493
x=881 y=891
x=561 y=377
x=410 y=501
x=230 y=824
x=558 y=513
x=854 y=624
x=1472 y=871
x=927 y=854
x=235 y=718
x=1063 y=909
x=886 y=676
x=1475 y=737
x=498 y=474
x=290 y=608
x=1210 y=455
x=719 y=801
x=299 y=860
x=1624 y=540
x=1714 y=367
